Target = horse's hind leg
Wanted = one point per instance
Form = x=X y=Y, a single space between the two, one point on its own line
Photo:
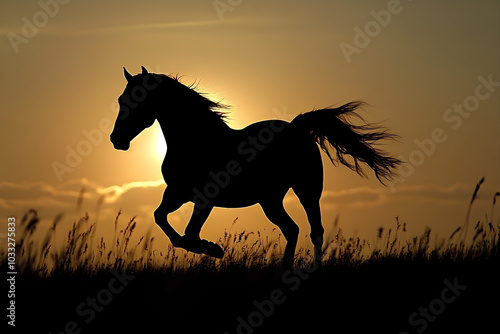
x=313 y=212
x=309 y=194
x=276 y=213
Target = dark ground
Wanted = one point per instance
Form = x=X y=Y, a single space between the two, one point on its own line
x=372 y=298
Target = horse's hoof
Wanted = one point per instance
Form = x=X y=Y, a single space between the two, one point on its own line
x=200 y=246
x=211 y=249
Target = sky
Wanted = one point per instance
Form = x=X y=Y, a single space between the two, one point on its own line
x=429 y=71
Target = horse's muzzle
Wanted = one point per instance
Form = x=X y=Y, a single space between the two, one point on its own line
x=120 y=145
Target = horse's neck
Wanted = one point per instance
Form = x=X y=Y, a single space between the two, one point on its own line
x=195 y=132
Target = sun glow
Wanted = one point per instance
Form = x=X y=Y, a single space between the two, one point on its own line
x=160 y=146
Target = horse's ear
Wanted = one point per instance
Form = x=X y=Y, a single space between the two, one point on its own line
x=128 y=76
x=144 y=71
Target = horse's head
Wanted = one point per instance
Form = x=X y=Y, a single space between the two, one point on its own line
x=138 y=108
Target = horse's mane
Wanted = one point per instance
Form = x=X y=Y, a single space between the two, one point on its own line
x=195 y=98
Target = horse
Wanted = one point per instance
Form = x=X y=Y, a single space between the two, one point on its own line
x=213 y=165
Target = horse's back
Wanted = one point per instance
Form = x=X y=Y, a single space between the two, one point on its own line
x=263 y=159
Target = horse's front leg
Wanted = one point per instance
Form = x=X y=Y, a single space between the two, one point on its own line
x=191 y=240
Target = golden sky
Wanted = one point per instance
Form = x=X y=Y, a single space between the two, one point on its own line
x=428 y=69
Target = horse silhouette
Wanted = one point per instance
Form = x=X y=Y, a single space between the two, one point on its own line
x=210 y=164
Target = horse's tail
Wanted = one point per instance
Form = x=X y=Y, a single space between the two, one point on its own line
x=330 y=129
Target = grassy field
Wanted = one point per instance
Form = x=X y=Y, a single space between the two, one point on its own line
x=387 y=286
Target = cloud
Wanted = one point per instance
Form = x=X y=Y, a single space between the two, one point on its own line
x=13 y=194
x=23 y=195
x=140 y=198
x=76 y=198
x=113 y=193
x=457 y=193
x=354 y=196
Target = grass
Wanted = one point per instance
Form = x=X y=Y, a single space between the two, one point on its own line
x=361 y=285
